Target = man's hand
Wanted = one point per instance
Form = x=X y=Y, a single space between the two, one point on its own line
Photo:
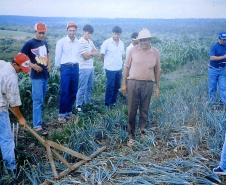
x=156 y=92
x=22 y=122
x=124 y=88
x=36 y=67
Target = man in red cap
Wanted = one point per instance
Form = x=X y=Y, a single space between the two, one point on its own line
x=37 y=50
x=66 y=60
x=9 y=96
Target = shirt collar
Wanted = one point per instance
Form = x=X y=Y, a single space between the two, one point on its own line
x=151 y=49
x=69 y=40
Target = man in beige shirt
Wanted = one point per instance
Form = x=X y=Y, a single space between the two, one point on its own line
x=142 y=67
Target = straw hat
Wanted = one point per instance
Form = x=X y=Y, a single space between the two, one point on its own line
x=144 y=34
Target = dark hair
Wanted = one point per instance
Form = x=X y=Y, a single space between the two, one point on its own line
x=13 y=61
x=134 y=35
x=88 y=28
x=117 y=29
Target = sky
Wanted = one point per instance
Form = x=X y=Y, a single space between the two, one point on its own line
x=166 y=9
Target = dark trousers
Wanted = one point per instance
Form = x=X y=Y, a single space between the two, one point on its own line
x=113 y=85
x=69 y=88
x=139 y=95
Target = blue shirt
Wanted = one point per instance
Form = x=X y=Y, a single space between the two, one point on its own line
x=112 y=54
x=218 y=50
x=37 y=51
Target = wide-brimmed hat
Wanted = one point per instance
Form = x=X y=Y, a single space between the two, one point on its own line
x=144 y=34
x=23 y=61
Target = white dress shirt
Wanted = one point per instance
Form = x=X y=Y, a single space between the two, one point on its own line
x=112 y=54
x=66 y=51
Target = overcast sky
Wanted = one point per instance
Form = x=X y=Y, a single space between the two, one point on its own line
x=116 y=8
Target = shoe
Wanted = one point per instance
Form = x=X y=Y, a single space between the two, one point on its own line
x=61 y=120
x=130 y=142
x=70 y=116
x=79 y=109
x=219 y=171
x=41 y=131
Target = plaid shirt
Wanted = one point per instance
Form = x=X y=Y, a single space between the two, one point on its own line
x=8 y=87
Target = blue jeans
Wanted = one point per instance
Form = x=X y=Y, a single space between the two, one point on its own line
x=223 y=156
x=86 y=77
x=113 y=85
x=217 y=76
x=69 y=88
x=39 y=87
x=7 y=142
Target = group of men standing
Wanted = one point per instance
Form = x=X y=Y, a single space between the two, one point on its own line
x=74 y=60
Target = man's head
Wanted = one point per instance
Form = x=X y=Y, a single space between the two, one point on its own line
x=144 y=38
x=87 y=31
x=222 y=37
x=71 y=30
x=134 y=37
x=21 y=63
x=40 y=30
x=116 y=32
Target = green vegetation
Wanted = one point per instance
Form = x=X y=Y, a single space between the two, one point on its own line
x=184 y=134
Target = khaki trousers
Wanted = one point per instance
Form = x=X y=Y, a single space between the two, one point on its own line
x=139 y=95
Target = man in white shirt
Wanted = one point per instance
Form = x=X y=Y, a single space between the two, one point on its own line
x=112 y=51
x=10 y=96
x=86 y=69
x=66 y=60
x=132 y=44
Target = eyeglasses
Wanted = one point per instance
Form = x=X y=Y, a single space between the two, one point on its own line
x=41 y=33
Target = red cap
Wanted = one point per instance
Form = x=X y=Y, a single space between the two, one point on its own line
x=40 y=27
x=22 y=60
x=71 y=25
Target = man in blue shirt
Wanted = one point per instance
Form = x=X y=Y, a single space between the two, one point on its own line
x=111 y=54
x=216 y=72
x=37 y=50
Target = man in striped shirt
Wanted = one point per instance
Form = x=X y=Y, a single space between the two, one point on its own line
x=86 y=69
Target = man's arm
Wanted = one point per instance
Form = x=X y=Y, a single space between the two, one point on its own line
x=217 y=58
x=102 y=56
x=48 y=63
x=157 y=78
x=124 y=78
x=17 y=113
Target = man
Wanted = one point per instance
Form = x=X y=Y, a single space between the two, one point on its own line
x=221 y=169
x=37 y=50
x=112 y=51
x=9 y=96
x=66 y=60
x=86 y=70
x=216 y=71
x=143 y=68
x=132 y=44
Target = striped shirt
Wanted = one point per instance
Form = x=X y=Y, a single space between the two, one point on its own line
x=8 y=87
x=85 y=46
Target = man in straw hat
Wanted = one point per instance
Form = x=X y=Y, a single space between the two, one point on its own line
x=10 y=96
x=142 y=67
